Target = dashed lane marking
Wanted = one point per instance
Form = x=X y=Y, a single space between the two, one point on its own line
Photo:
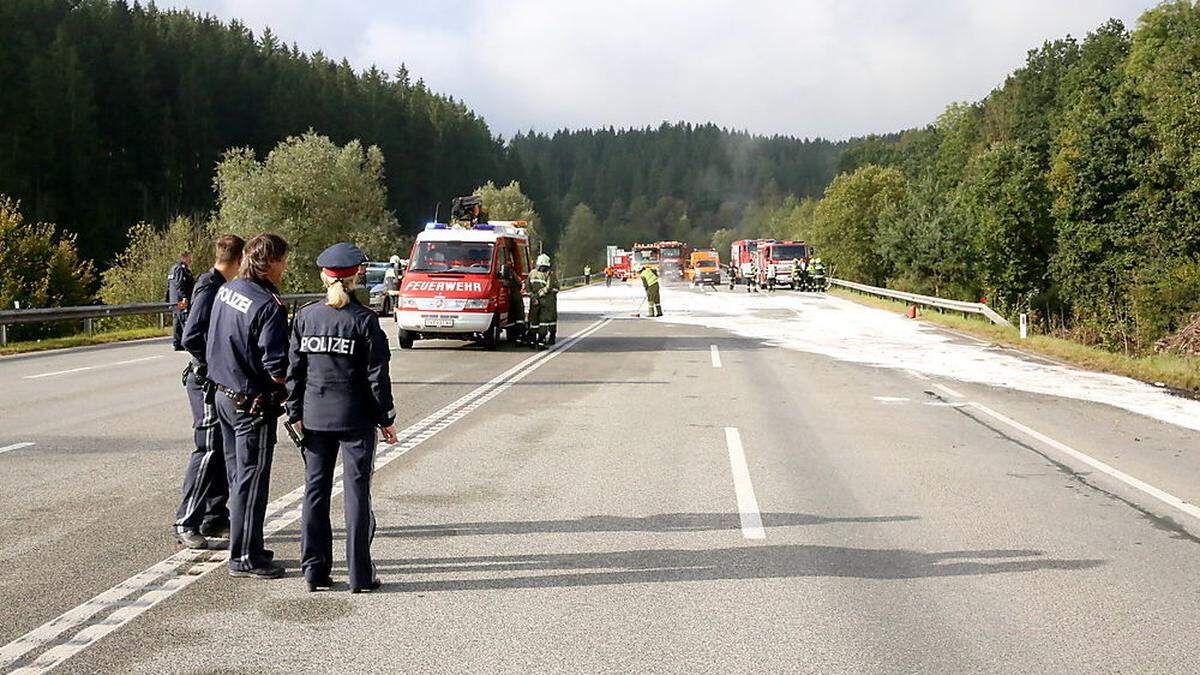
x=751 y=518
x=83 y=368
x=947 y=390
x=81 y=627
x=16 y=446
x=716 y=356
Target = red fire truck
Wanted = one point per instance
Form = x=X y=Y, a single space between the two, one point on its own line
x=622 y=265
x=742 y=256
x=673 y=259
x=645 y=255
x=774 y=261
x=464 y=283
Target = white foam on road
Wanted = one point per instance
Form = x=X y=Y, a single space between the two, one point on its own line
x=848 y=331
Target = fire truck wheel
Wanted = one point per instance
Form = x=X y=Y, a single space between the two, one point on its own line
x=404 y=339
x=491 y=338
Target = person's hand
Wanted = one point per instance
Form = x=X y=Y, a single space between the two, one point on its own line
x=182 y=304
x=299 y=425
x=389 y=434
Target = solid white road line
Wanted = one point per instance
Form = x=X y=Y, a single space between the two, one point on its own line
x=752 y=526
x=1161 y=495
x=15 y=446
x=100 y=365
x=948 y=390
x=716 y=356
x=134 y=596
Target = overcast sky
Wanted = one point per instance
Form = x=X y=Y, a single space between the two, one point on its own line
x=832 y=68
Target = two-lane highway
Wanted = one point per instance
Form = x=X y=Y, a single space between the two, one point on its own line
x=654 y=496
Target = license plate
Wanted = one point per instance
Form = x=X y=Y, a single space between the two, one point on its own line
x=438 y=321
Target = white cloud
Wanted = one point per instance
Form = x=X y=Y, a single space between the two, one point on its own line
x=804 y=67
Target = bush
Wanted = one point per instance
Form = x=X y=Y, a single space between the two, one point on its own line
x=39 y=267
x=139 y=273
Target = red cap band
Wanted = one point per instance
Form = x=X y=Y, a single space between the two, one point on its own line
x=340 y=272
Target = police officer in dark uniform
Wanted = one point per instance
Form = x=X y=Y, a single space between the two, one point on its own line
x=247 y=357
x=339 y=393
x=202 y=512
x=180 y=284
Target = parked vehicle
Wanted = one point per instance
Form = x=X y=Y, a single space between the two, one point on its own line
x=375 y=281
x=673 y=260
x=774 y=262
x=645 y=255
x=704 y=268
x=464 y=283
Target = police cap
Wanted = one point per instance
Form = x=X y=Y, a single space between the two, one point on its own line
x=341 y=260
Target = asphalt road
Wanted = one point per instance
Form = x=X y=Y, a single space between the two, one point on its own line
x=635 y=501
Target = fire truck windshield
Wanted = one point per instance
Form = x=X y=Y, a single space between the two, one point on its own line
x=463 y=257
x=789 y=252
x=706 y=265
x=645 y=255
x=670 y=251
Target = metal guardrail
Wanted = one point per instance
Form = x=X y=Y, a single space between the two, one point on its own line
x=927 y=300
x=89 y=313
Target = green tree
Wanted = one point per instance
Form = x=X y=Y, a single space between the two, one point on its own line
x=312 y=192
x=926 y=241
x=39 y=267
x=582 y=243
x=509 y=203
x=849 y=217
x=139 y=273
x=1005 y=195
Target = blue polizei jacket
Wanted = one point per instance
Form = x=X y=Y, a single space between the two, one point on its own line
x=338 y=380
x=247 y=337
x=195 y=331
x=180 y=284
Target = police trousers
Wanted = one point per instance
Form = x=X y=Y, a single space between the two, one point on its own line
x=316 y=539
x=205 y=484
x=178 y=319
x=249 y=444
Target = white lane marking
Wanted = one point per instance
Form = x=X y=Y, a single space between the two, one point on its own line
x=752 y=527
x=164 y=579
x=948 y=390
x=946 y=404
x=1161 y=495
x=57 y=372
x=716 y=356
x=15 y=446
x=144 y=358
x=101 y=365
x=890 y=399
x=918 y=375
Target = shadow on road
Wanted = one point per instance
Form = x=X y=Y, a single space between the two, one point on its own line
x=562 y=570
x=663 y=522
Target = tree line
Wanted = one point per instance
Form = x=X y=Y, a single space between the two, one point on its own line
x=1072 y=191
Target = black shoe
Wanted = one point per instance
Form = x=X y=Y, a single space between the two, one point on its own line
x=322 y=584
x=215 y=529
x=373 y=586
x=190 y=538
x=271 y=570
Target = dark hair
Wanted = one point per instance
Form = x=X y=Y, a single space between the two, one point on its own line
x=258 y=254
x=229 y=248
x=184 y=253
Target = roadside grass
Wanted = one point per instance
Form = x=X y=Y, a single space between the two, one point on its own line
x=83 y=340
x=1172 y=370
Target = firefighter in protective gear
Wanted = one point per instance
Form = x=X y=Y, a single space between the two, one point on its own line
x=752 y=282
x=650 y=283
x=799 y=277
x=542 y=287
x=816 y=270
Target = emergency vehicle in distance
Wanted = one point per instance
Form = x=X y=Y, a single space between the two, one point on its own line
x=704 y=268
x=645 y=255
x=741 y=257
x=621 y=263
x=464 y=283
x=774 y=261
x=672 y=259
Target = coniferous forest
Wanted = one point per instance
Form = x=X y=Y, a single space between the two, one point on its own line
x=1072 y=191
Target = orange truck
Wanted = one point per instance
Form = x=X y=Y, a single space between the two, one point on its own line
x=704 y=268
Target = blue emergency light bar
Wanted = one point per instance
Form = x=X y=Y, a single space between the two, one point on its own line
x=484 y=226
x=436 y=226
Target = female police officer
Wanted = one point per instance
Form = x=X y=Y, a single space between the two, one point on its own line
x=339 y=392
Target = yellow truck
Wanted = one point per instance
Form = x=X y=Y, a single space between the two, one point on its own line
x=704 y=269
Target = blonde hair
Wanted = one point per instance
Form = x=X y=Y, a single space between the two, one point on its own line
x=337 y=291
